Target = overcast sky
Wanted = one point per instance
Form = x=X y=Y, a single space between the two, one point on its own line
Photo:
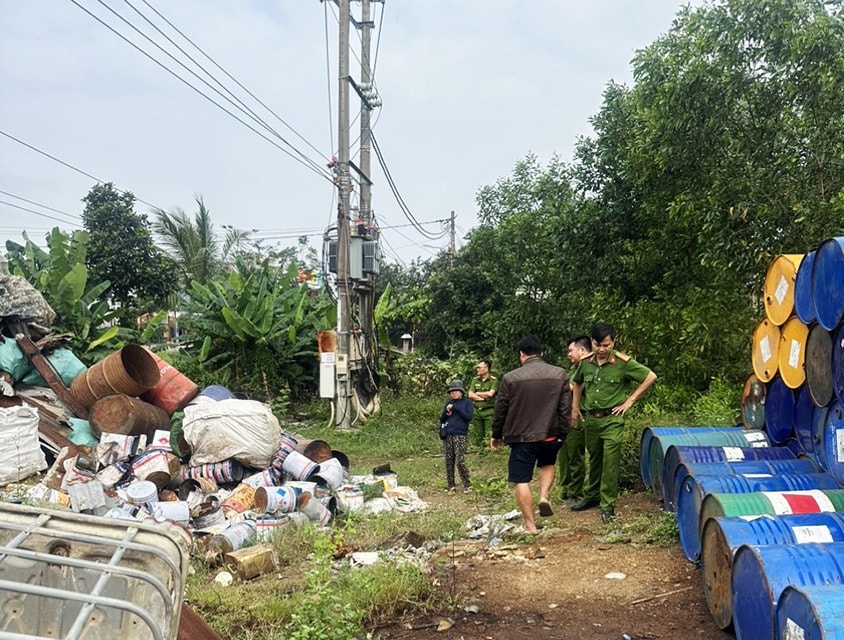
x=469 y=88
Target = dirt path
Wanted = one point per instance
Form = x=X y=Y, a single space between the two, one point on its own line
x=570 y=583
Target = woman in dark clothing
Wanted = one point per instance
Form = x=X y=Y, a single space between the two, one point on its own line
x=455 y=418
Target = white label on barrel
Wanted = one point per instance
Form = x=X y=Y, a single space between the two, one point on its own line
x=752 y=436
x=794 y=354
x=813 y=533
x=765 y=349
x=782 y=289
x=756 y=475
x=793 y=631
x=839 y=444
x=733 y=453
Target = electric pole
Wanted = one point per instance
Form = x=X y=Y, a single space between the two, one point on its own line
x=451 y=239
x=343 y=389
x=366 y=295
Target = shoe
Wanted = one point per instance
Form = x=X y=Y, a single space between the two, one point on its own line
x=450 y=489
x=545 y=509
x=467 y=489
x=585 y=504
x=607 y=515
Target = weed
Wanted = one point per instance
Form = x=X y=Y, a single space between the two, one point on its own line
x=643 y=530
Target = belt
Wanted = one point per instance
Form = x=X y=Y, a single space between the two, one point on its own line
x=598 y=413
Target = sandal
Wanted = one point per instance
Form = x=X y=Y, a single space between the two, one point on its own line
x=545 y=509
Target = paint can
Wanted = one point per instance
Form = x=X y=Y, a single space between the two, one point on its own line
x=156 y=465
x=331 y=473
x=276 y=499
x=142 y=492
x=175 y=511
x=298 y=466
x=349 y=498
x=287 y=444
x=239 y=500
x=225 y=471
x=314 y=509
x=207 y=514
x=265 y=478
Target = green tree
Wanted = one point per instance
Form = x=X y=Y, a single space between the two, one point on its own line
x=121 y=251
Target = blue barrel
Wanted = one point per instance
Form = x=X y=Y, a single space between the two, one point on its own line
x=779 y=411
x=733 y=437
x=831 y=447
x=649 y=433
x=761 y=573
x=721 y=537
x=216 y=392
x=804 y=302
x=803 y=410
x=838 y=364
x=811 y=613
x=772 y=467
x=677 y=455
x=695 y=488
x=828 y=282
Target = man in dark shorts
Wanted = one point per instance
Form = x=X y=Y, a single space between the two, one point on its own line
x=532 y=416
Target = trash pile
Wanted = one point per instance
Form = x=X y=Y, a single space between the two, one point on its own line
x=133 y=438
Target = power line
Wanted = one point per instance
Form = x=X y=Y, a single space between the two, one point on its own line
x=43 y=206
x=38 y=213
x=305 y=162
x=231 y=77
x=70 y=166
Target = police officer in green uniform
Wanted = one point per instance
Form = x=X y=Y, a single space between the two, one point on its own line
x=482 y=391
x=600 y=399
x=571 y=456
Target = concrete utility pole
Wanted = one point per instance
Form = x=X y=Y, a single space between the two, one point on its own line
x=451 y=240
x=343 y=403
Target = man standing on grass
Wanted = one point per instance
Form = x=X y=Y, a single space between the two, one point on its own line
x=532 y=414
x=601 y=399
x=482 y=394
x=571 y=458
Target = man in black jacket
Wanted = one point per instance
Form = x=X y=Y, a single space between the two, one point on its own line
x=532 y=416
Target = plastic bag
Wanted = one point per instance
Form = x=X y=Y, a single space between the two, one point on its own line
x=443 y=428
x=20 y=451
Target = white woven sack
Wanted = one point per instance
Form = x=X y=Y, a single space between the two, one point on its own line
x=20 y=451
x=245 y=430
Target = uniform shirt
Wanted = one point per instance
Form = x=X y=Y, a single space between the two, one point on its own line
x=605 y=386
x=484 y=406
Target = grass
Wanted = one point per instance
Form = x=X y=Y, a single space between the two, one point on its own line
x=312 y=596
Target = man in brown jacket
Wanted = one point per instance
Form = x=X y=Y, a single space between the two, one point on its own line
x=532 y=416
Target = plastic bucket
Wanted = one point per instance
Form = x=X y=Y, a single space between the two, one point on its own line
x=761 y=573
x=819 y=366
x=753 y=403
x=721 y=538
x=130 y=371
x=828 y=282
x=695 y=488
x=174 y=389
x=690 y=466
x=804 y=301
x=779 y=411
x=735 y=437
x=779 y=287
x=765 y=351
x=792 y=352
x=127 y=416
x=804 y=408
x=216 y=392
x=809 y=612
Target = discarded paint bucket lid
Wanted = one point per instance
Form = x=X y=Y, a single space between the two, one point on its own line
x=142 y=492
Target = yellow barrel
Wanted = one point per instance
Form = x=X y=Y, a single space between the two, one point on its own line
x=792 y=352
x=779 y=287
x=766 y=343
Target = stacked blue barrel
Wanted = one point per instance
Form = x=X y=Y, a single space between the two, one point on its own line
x=761 y=507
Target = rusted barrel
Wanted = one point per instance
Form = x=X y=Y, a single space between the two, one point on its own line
x=129 y=371
x=127 y=416
x=174 y=389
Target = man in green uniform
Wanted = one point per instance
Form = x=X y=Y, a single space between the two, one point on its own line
x=482 y=391
x=600 y=399
x=571 y=456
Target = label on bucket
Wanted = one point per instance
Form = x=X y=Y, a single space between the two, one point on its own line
x=786 y=502
x=812 y=533
x=794 y=354
x=839 y=445
x=765 y=349
x=732 y=454
x=793 y=631
x=782 y=289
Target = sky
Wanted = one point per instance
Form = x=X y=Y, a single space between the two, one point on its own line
x=468 y=88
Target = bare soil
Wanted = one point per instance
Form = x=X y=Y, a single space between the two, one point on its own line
x=569 y=583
